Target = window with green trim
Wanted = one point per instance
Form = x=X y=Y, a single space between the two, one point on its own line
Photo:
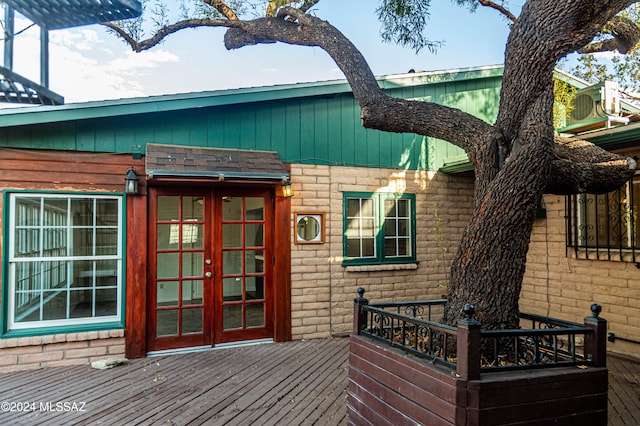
x=64 y=260
x=379 y=228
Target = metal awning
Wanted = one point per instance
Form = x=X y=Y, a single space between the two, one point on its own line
x=56 y=14
x=16 y=89
x=173 y=161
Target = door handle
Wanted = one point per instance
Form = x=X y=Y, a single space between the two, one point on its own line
x=208 y=274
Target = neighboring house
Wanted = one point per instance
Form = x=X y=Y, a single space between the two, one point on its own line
x=211 y=251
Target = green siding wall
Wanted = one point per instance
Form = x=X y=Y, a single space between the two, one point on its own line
x=321 y=129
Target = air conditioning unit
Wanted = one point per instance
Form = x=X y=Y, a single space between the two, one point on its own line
x=597 y=101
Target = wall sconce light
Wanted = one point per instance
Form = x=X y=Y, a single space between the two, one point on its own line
x=131 y=182
x=287 y=190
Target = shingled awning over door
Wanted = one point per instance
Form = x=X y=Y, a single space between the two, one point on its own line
x=166 y=161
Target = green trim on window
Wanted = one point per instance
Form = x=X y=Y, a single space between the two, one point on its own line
x=60 y=329
x=378 y=256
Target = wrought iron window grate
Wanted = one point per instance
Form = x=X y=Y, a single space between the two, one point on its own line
x=605 y=226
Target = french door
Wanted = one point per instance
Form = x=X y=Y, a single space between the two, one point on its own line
x=210 y=261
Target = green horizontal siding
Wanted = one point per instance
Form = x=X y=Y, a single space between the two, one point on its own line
x=314 y=129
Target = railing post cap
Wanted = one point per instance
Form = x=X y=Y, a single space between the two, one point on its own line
x=595 y=310
x=469 y=311
x=361 y=299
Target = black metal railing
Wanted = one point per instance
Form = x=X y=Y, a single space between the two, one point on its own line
x=546 y=343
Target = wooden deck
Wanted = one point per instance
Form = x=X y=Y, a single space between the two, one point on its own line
x=295 y=383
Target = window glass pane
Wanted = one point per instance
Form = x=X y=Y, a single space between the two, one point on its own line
x=82 y=242
x=367 y=208
x=192 y=264
x=107 y=212
x=232 y=236
x=368 y=247
x=255 y=315
x=353 y=248
x=27 y=306
x=166 y=323
x=368 y=228
x=255 y=237
x=106 y=241
x=168 y=208
x=27 y=243
x=168 y=266
x=192 y=236
x=254 y=288
x=390 y=227
x=353 y=207
x=82 y=212
x=167 y=293
x=254 y=261
x=166 y=239
x=83 y=273
x=106 y=302
x=192 y=292
x=192 y=320
x=231 y=208
x=81 y=303
x=193 y=208
x=55 y=305
x=390 y=208
x=55 y=212
x=390 y=247
x=232 y=289
x=403 y=208
x=27 y=211
x=232 y=262
x=254 y=208
x=231 y=317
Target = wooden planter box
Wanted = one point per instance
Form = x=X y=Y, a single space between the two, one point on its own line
x=388 y=386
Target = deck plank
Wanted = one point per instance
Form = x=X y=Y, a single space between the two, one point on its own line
x=293 y=383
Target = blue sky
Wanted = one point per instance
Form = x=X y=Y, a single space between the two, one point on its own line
x=86 y=63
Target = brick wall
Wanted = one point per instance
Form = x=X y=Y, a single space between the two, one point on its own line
x=55 y=350
x=560 y=285
x=323 y=290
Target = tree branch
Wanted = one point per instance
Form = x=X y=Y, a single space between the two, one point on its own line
x=162 y=33
x=626 y=36
x=581 y=166
x=499 y=8
x=224 y=10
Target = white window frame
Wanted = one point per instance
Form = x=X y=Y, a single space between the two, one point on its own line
x=66 y=260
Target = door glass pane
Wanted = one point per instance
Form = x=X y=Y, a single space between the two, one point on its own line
x=255 y=315
x=255 y=288
x=254 y=208
x=193 y=208
x=232 y=289
x=231 y=208
x=232 y=262
x=166 y=323
x=192 y=236
x=254 y=261
x=192 y=320
x=168 y=208
x=165 y=237
x=168 y=266
x=231 y=317
x=232 y=236
x=192 y=264
x=255 y=236
x=167 y=293
x=192 y=292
